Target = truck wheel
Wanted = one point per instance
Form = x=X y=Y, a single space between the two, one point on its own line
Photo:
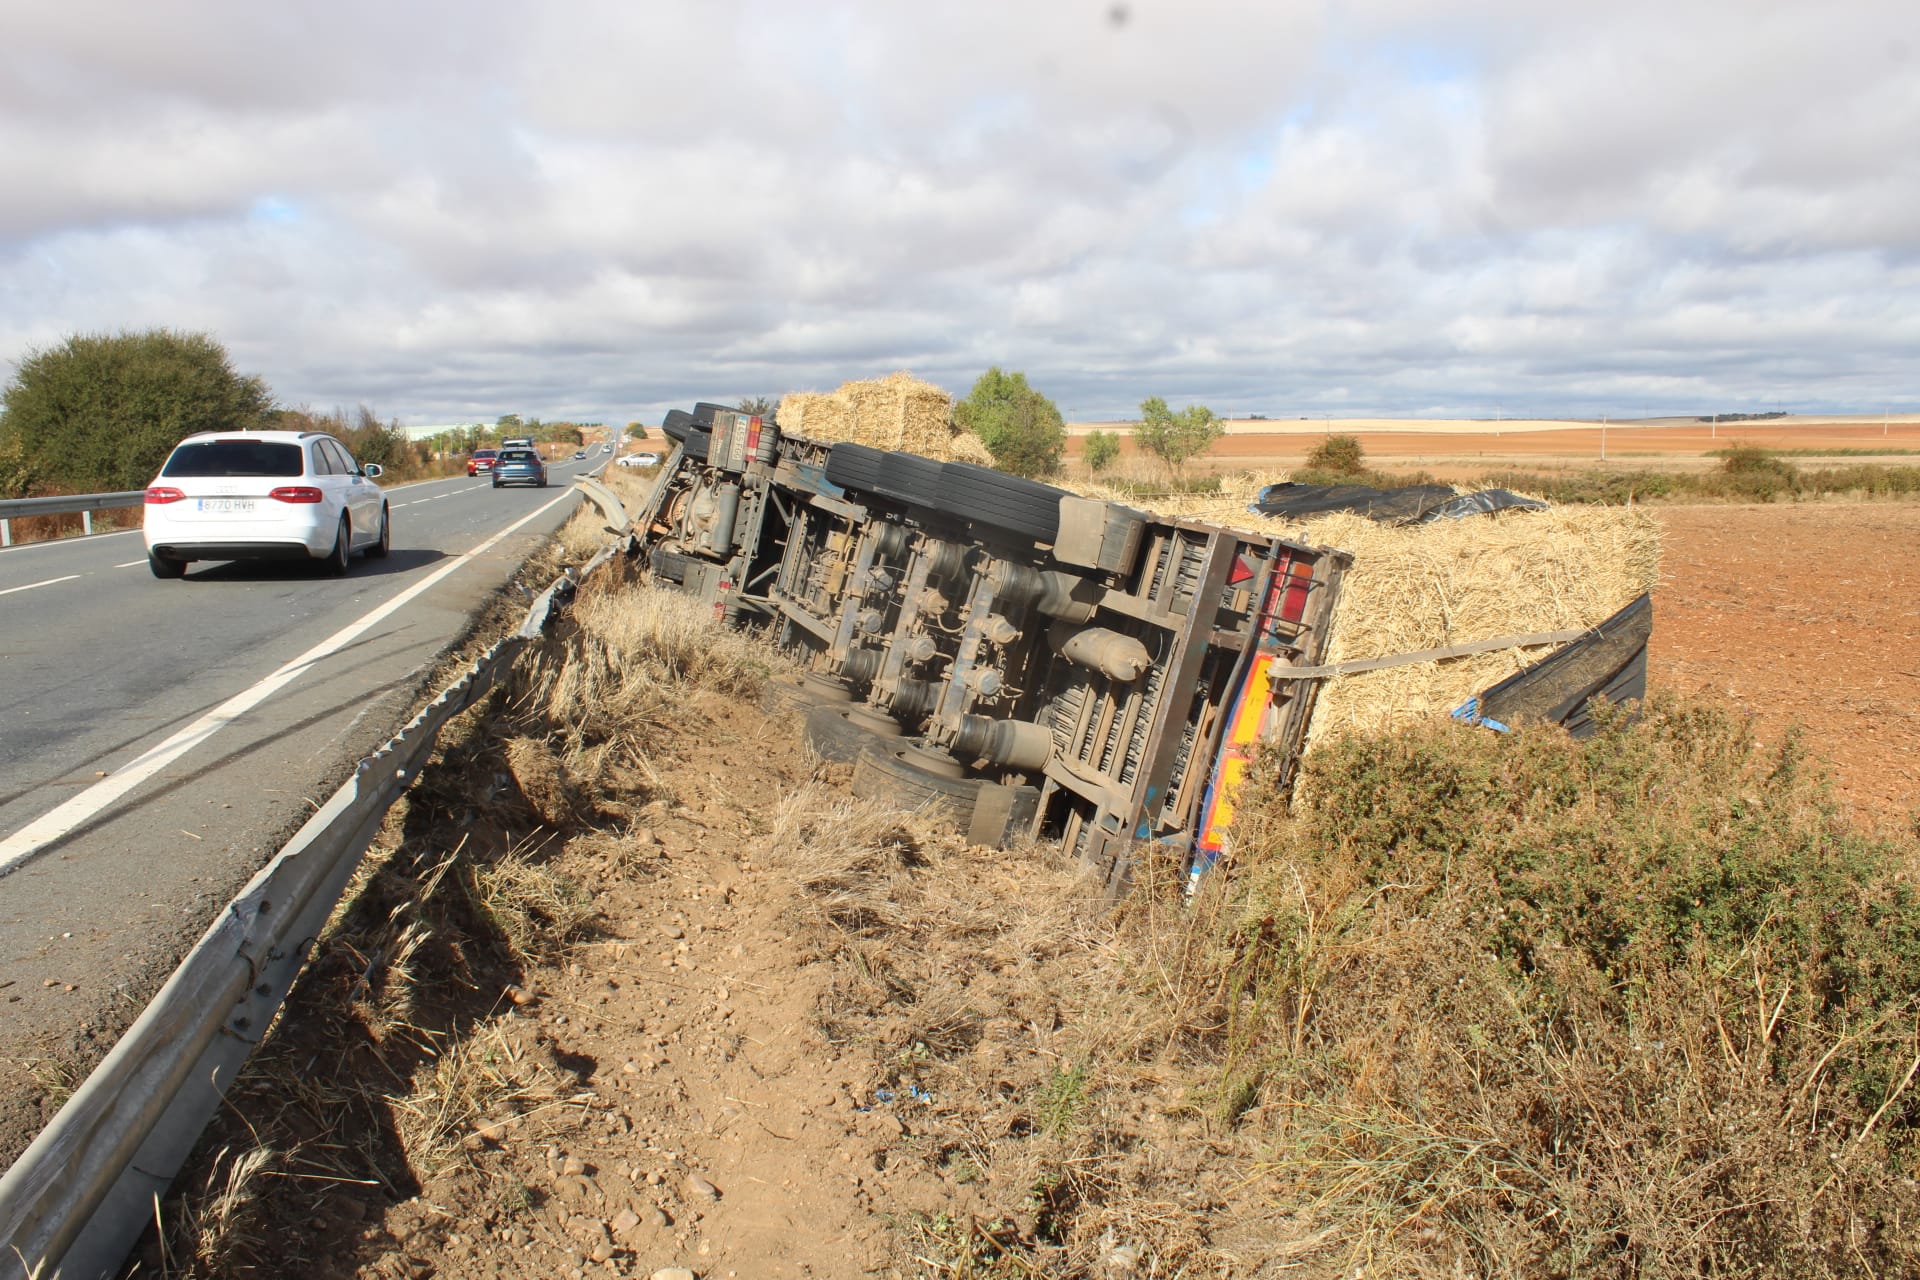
x=837 y=734
x=802 y=692
x=856 y=466
x=889 y=777
x=1015 y=503
x=676 y=424
x=696 y=444
x=909 y=477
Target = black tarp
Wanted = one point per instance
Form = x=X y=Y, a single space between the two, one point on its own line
x=1411 y=504
x=1610 y=662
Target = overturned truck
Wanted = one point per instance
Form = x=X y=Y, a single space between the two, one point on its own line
x=1035 y=663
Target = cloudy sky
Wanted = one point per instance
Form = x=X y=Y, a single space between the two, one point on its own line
x=598 y=210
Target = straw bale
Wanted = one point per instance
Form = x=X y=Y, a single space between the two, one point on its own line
x=968 y=447
x=1426 y=586
x=895 y=412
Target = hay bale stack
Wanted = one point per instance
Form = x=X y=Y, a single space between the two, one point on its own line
x=1450 y=582
x=968 y=447
x=895 y=412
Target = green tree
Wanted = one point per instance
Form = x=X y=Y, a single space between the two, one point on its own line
x=508 y=424
x=757 y=406
x=100 y=412
x=1175 y=438
x=1102 y=449
x=636 y=431
x=1021 y=428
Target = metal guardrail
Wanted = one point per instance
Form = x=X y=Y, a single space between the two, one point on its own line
x=76 y=1201
x=67 y=504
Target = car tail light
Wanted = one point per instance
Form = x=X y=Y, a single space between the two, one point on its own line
x=295 y=493
x=161 y=494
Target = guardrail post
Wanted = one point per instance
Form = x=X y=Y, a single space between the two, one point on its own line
x=6 y=533
x=86 y=522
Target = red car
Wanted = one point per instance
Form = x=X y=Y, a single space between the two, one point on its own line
x=482 y=460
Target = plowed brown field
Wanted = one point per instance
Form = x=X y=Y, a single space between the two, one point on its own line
x=1804 y=614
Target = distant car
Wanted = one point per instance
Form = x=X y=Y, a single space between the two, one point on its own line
x=482 y=460
x=519 y=466
x=579 y=453
x=640 y=460
x=263 y=495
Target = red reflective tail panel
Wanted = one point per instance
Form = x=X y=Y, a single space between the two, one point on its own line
x=295 y=493
x=161 y=494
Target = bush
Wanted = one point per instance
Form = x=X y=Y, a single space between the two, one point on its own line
x=1101 y=450
x=1021 y=428
x=100 y=412
x=1636 y=1006
x=1340 y=454
x=1747 y=471
x=1594 y=485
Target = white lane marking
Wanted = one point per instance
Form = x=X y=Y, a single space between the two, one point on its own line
x=129 y=564
x=59 y=822
x=31 y=585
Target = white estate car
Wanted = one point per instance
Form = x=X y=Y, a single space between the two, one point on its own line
x=639 y=460
x=263 y=495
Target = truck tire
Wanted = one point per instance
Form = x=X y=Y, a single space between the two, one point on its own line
x=800 y=693
x=703 y=413
x=676 y=424
x=889 y=777
x=911 y=478
x=834 y=735
x=696 y=444
x=856 y=466
x=1015 y=503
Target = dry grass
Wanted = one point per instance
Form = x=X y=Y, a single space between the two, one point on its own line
x=534 y=913
x=218 y=1222
x=587 y=530
x=480 y=1085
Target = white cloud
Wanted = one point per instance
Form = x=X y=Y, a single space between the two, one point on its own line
x=607 y=208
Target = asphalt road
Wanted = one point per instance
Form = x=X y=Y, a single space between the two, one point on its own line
x=102 y=889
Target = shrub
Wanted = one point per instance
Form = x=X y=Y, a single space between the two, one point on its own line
x=1635 y=1006
x=1747 y=471
x=100 y=412
x=1101 y=450
x=1340 y=454
x=1021 y=428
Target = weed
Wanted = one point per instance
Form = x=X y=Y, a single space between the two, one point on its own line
x=57 y=1080
x=1061 y=1098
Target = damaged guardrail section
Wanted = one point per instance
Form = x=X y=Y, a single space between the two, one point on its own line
x=78 y=1198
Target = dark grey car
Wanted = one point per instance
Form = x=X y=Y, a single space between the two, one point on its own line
x=519 y=466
